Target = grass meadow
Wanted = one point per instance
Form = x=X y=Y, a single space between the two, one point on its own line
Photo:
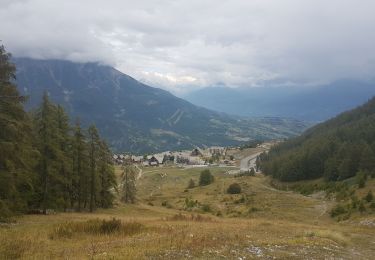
x=170 y=221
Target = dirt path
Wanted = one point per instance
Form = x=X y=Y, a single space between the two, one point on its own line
x=140 y=172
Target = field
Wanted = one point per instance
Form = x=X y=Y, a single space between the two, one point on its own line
x=170 y=221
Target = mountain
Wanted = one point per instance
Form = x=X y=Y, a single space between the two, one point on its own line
x=135 y=117
x=337 y=149
x=314 y=104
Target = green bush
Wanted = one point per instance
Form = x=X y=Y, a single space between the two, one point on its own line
x=206 y=178
x=338 y=210
x=354 y=202
x=166 y=204
x=206 y=208
x=369 y=197
x=361 y=179
x=191 y=184
x=5 y=213
x=234 y=188
x=190 y=203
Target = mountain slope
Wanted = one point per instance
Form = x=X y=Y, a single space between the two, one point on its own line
x=310 y=104
x=135 y=117
x=337 y=149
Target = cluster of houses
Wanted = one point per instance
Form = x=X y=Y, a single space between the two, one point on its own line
x=196 y=156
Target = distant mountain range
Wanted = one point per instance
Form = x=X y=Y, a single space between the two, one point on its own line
x=135 y=117
x=304 y=103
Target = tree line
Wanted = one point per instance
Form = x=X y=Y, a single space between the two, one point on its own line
x=336 y=150
x=45 y=162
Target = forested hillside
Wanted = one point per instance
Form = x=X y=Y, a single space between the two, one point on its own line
x=336 y=150
x=45 y=163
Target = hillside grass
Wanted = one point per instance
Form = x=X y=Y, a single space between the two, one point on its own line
x=261 y=222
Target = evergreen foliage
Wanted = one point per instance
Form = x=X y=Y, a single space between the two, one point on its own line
x=234 y=188
x=128 y=184
x=17 y=154
x=191 y=184
x=336 y=150
x=206 y=178
x=44 y=163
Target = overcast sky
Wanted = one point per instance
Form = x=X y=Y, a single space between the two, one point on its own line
x=182 y=45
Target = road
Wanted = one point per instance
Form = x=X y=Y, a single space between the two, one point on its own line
x=249 y=162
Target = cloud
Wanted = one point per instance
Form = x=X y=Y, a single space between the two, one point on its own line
x=169 y=43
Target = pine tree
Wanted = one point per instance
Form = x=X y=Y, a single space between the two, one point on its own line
x=128 y=183
x=106 y=176
x=48 y=146
x=93 y=161
x=17 y=155
x=79 y=165
x=65 y=165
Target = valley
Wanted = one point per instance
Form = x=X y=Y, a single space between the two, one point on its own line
x=205 y=129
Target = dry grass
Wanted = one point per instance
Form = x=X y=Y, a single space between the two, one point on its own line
x=281 y=225
x=95 y=227
x=192 y=217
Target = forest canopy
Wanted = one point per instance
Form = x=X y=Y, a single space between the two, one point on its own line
x=336 y=149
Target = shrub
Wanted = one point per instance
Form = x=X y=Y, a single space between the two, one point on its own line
x=338 y=210
x=190 y=203
x=361 y=179
x=361 y=207
x=166 y=204
x=5 y=213
x=369 y=197
x=191 y=184
x=205 y=178
x=234 y=188
x=206 y=208
x=253 y=209
x=354 y=202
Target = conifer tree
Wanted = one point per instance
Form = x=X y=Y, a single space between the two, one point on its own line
x=128 y=183
x=93 y=161
x=79 y=162
x=48 y=146
x=106 y=176
x=65 y=165
x=17 y=155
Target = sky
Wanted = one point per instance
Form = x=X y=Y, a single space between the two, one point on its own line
x=183 y=45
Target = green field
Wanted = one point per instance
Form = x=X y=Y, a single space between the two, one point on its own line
x=261 y=222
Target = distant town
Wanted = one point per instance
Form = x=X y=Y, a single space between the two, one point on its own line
x=215 y=155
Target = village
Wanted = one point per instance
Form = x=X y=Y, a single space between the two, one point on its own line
x=243 y=157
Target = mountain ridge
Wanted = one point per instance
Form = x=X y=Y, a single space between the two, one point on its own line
x=315 y=104
x=135 y=117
